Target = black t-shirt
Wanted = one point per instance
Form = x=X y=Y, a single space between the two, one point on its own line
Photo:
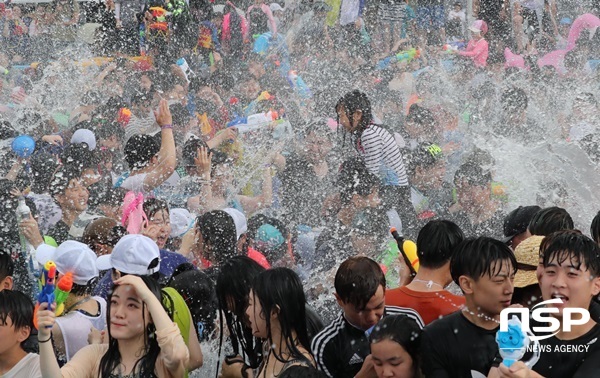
x=60 y=232
x=492 y=227
x=334 y=243
x=453 y=347
x=577 y=358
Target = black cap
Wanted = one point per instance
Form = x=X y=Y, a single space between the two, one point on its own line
x=517 y=221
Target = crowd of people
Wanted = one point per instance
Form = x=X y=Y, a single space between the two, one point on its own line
x=203 y=189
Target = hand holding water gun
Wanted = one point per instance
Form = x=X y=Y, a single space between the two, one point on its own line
x=402 y=56
x=46 y=286
x=512 y=343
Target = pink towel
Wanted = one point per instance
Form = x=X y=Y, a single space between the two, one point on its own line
x=513 y=60
x=583 y=22
x=133 y=213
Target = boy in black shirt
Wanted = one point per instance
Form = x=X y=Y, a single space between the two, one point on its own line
x=572 y=274
x=463 y=344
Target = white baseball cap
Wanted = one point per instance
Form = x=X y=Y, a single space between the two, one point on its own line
x=84 y=136
x=181 y=222
x=70 y=256
x=275 y=7
x=133 y=254
x=241 y=224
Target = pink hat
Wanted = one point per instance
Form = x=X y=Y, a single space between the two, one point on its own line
x=133 y=212
x=479 y=26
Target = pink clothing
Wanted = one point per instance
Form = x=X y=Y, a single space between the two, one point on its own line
x=585 y=21
x=513 y=60
x=554 y=59
x=266 y=10
x=477 y=51
x=226 y=34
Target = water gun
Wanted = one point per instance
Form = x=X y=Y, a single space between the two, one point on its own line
x=409 y=251
x=512 y=343
x=402 y=56
x=62 y=291
x=46 y=287
x=255 y=121
x=453 y=47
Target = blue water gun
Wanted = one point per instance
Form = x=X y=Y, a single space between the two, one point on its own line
x=46 y=285
x=405 y=55
x=512 y=343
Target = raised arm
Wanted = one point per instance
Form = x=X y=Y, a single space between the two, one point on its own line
x=167 y=160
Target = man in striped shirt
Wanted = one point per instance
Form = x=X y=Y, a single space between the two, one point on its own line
x=342 y=348
x=379 y=150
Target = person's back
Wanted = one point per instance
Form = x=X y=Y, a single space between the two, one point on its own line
x=426 y=293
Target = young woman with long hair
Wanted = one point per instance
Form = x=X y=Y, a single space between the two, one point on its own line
x=143 y=341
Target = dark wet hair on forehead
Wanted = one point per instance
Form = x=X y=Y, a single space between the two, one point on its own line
x=153 y=205
x=139 y=150
x=595 y=228
x=479 y=257
x=571 y=246
x=549 y=220
x=18 y=307
x=357 y=280
x=218 y=231
x=472 y=174
x=402 y=330
x=356 y=101
x=61 y=179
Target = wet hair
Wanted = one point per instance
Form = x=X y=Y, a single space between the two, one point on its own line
x=355 y=178
x=514 y=99
x=422 y=117
x=112 y=358
x=233 y=284
x=103 y=194
x=475 y=258
x=61 y=178
x=198 y=291
x=357 y=280
x=572 y=246
x=595 y=228
x=219 y=234
x=473 y=174
x=356 y=101
x=402 y=330
x=139 y=150
x=190 y=152
x=425 y=155
x=152 y=206
x=19 y=308
x=7 y=268
x=299 y=371
x=109 y=129
x=280 y=290
x=99 y=231
x=436 y=243
x=549 y=220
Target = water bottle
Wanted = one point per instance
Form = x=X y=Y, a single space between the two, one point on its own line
x=185 y=68
x=23 y=212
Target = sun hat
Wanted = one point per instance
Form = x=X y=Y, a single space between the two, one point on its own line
x=527 y=254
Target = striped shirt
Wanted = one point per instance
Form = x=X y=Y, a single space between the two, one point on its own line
x=382 y=155
x=340 y=348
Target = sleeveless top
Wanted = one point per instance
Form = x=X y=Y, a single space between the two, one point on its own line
x=75 y=327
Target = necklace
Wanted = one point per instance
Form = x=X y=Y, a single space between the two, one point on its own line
x=428 y=284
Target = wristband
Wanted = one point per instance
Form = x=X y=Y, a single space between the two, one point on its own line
x=45 y=341
x=167 y=126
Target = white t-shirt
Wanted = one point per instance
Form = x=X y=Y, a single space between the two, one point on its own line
x=136 y=184
x=29 y=367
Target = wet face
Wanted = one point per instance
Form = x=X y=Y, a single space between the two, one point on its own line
x=569 y=281
x=430 y=177
x=222 y=178
x=145 y=83
x=250 y=89
x=470 y=196
x=162 y=220
x=75 y=197
x=128 y=316
x=367 y=317
x=11 y=337
x=391 y=360
x=475 y=35
x=491 y=294
x=317 y=147
x=345 y=120
x=256 y=316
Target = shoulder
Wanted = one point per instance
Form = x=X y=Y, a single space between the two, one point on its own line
x=409 y=312
x=327 y=334
x=445 y=323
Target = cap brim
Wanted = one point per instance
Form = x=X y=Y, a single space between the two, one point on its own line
x=44 y=253
x=475 y=30
x=103 y=262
